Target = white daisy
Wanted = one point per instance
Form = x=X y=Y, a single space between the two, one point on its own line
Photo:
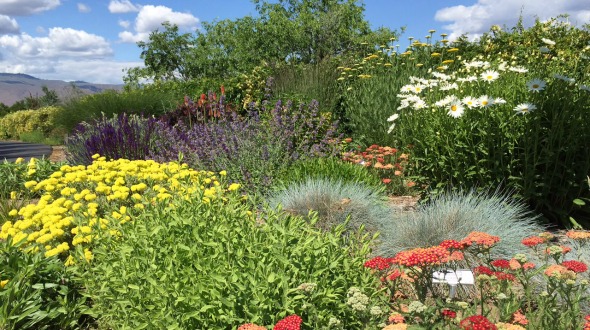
x=393 y=117
x=485 y=101
x=548 y=41
x=456 y=109
x=448 y=87
x=518 y=69
x=499 y=100
x=470 y=102
x=406 y=89
x=489 y=75
x=446 y=101
x=524 y=108
x=564 y=78
x=467 y=79
x=536 y=85
x=403 y=104
x=420 y=104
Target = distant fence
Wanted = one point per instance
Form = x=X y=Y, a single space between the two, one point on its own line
x=10 y=151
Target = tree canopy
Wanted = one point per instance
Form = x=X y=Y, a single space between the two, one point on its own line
x=285 y=31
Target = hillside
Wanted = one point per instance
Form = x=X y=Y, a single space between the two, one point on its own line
x=15 y=87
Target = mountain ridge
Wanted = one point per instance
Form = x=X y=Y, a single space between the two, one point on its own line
x=17 y=86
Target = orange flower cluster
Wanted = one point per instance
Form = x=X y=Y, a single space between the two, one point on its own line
x=587 y=325
x=251 y=326
x=520 y=318
x=578 y=234
x=533 y=241
x=559 y=271
x=515 y=265
x=480 y=239
x=434 y=255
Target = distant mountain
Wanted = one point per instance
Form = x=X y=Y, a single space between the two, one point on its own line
x=16 y=86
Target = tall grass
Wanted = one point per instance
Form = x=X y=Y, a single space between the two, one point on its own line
x=111 y=103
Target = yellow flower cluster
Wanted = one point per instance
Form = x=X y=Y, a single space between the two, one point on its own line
x=78 y=203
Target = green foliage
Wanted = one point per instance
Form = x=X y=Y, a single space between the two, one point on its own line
x=13 y=175
x=288 y=31
x=454 y=215
x=331 y=169
x=335 y=203
x=27 y=121
x=110 y=103
x=216 y=266
x=38 y=294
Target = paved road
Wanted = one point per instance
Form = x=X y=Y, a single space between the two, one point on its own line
x=10 y=151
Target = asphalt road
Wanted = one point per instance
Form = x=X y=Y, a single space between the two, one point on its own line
x=10 y=151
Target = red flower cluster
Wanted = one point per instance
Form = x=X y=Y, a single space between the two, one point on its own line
x=291 y=322
x=483 y=270
x=477 y=322
x=481 y=239
x=449 y=314
x=394 y=275
x=502 y=276
x=434 y=255
x=587 y=325
x=452 y=244
x=575 y=266
x=378 y=263
x=501 y=263
x=532 y=241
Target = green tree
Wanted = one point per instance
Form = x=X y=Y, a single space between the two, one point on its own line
x=295 y=31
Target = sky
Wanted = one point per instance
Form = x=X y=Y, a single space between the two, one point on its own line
x=95 y=40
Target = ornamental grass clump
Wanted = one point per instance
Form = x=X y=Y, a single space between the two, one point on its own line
x=335 y=202
x=451 y=216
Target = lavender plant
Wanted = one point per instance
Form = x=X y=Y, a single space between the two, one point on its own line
x=123 y=136
x=253 y=149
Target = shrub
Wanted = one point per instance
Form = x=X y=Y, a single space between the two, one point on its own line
x=335 y=203
x=27 y=121
x=455 y=214
x=331 y=169
x=123 y=136
x=253 y=149
x=267 y=265
x=37 y=292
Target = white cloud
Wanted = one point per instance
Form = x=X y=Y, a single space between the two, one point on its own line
x=26 y=7
x=124 y=24
x=122 y=6
x=478 y=18
x=60 y=42
x=83 y=8
x=151 y=18
x=8 y=25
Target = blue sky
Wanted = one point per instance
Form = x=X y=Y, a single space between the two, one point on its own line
x=94 y=40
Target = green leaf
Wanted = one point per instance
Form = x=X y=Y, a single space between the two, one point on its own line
x=133 y=286
x=580 y=202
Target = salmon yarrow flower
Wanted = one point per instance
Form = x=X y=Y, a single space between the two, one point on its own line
x=558 y=271
x=533 y=241
x=578 y=235
x=434 y=255
x=251 y=326
x=480 y=239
